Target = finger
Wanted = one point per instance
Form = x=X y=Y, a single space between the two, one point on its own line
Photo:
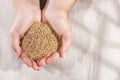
x=15 y=38
x=35 y=66
x=53 y=57
x=42 y=61
x=66 y=41
x=26 y=60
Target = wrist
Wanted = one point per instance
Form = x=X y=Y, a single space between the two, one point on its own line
x=21 y=5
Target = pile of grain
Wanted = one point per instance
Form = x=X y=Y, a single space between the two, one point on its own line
x=39 y=41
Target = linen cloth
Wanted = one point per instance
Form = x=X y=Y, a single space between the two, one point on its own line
x=93 y=55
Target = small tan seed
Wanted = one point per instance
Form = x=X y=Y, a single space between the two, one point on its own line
x=40 y=40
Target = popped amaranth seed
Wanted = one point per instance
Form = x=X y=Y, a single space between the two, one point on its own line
x=40 y=40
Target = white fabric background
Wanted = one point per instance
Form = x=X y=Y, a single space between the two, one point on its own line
x=95 y=49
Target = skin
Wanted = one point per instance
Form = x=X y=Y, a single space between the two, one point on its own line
x=27 y=11
x=55 y=13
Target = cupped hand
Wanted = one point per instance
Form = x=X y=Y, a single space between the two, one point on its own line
x=57 y=17
x=25 y=16
x=61 y=25
x=27 y=12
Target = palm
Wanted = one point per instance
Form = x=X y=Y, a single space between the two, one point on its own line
x=61 y=26
x=21 y=24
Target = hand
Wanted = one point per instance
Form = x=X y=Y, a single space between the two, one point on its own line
x=57 y=17
x=27 y=12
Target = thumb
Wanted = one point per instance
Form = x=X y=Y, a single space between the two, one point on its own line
x=66 y=41
x=15 y=39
